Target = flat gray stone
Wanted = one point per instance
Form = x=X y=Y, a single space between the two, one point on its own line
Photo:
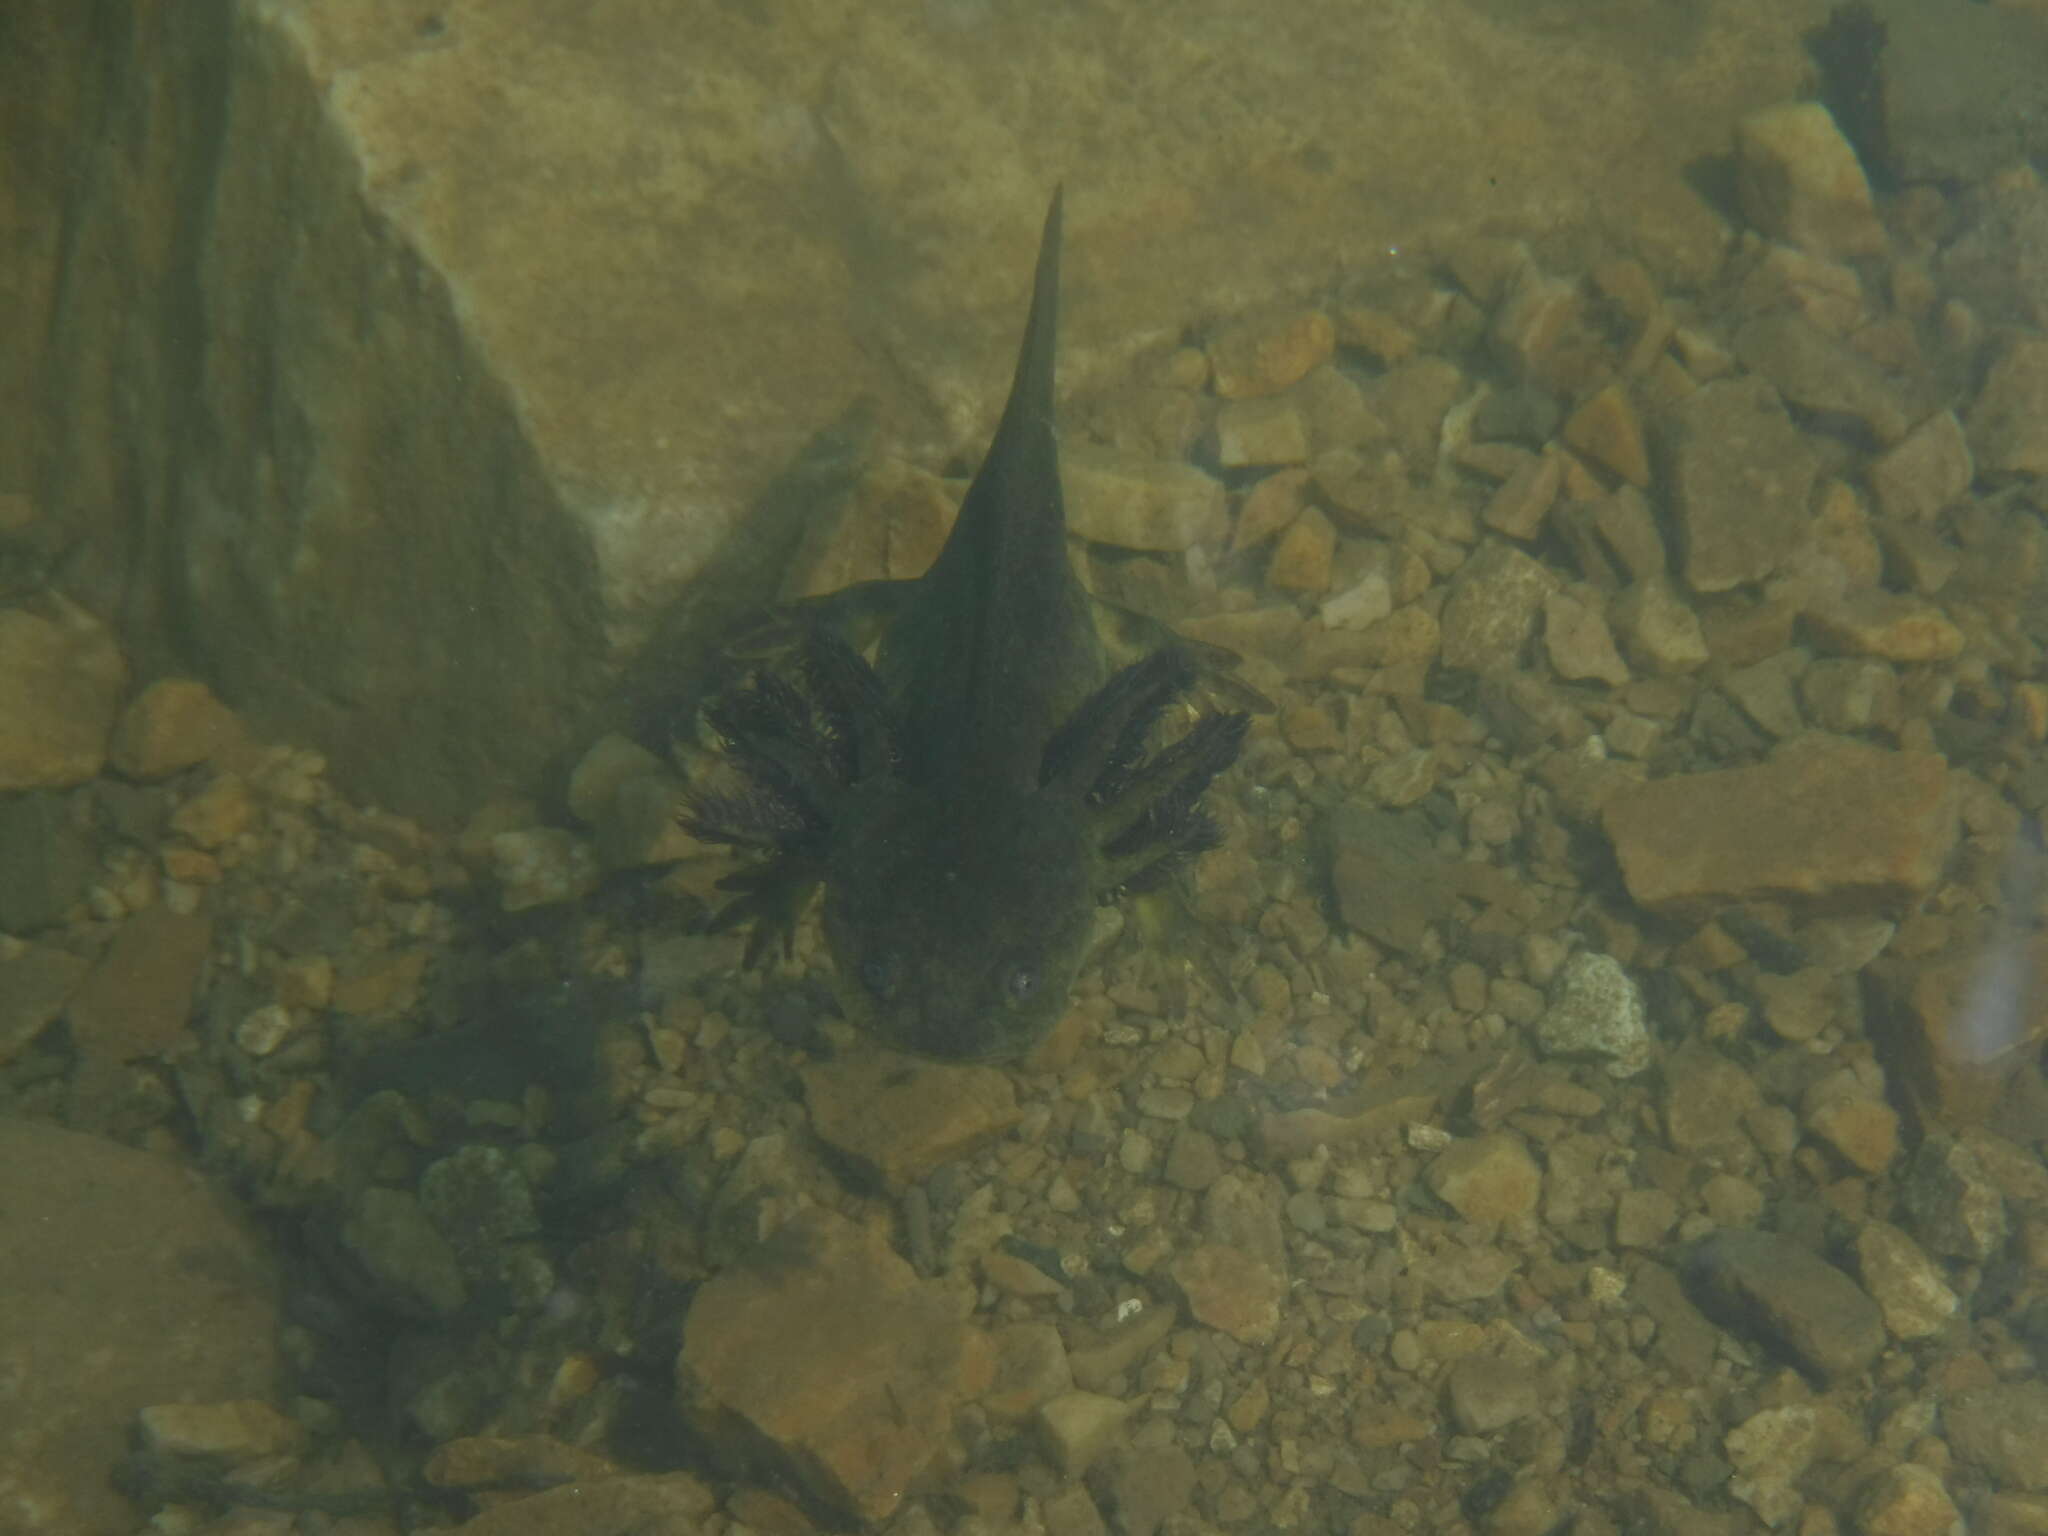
x=1771 y=1289
x=1390 y=881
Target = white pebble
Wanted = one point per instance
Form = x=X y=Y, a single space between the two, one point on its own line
x=264 y=1029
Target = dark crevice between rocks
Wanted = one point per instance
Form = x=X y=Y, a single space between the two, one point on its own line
x=1848 y=50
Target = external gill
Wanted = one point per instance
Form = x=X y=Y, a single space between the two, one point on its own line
x=791 y=751
x=1147 y=808
x=1156 y=820
x=1104 y=739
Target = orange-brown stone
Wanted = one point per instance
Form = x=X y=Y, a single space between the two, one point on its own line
x=1826 y=821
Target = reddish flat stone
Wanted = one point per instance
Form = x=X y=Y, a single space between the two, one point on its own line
x=138 y=996
x=1827 y=821
x=824 y=1350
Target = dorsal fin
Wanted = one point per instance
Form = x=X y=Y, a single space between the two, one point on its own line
x=1031 y=389
x=999 y=647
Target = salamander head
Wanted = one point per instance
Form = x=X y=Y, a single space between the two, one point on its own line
x=956 y=930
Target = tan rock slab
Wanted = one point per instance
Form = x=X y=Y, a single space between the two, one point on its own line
x=1850 y=694
x=1799 y=1006
x=1077 y=1427
x=1864 y=1131
x=892 y=525
x=1799 y=181
x=1537 y=326
x=139 y=994
x=1767 y=692
x=1706 y=1098
x=1259 y=432
x=1607 y=430
x=1890 y=625
x=1825 y=821
x=218 y=814
x=1334 y=406
x=174 y=723
x=1907 y=1500
x=61 y=678
x=1096 y=1356
x=129 y=1284
x=1229 y=1290
x=1376 y=333
x=384 y=981
x=1488 y=1178
x=1579 y=643
x=1822 y=373
x=1926 y=471
x=1487 y=1393
x=2008 y=424
x=1492 y=611
x=484 y=1461
x=902 y=1118
x=1310 y=728
x=1908 y=1285
x=1768 y=1453
x=239 y=1431
x=1264 y=353
x=1624 y=520
x=1361 y=605
x=1643 y=1218
x=654 y=1504
x=1031 y=1368
x=2003 y=1429
x=1741 y=475
x=1523 y=500
x=1142 y=503
x=1659 y=628
x=824 y=1350
x=1268 y=507
x=1409 y=636
x=1302 y=558
x=1924 y=560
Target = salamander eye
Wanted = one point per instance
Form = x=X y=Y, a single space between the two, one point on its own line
x=1020 y=983
x=882 y=974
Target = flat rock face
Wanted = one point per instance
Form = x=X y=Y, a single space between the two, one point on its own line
x=1826 y=820
x=654 y=1504
x=1741 y=476
x=127 y=1284
x=491 y=326
x=900 y=1118
x=827 y=1349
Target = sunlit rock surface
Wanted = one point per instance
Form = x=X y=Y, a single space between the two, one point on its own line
x=401 y=362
